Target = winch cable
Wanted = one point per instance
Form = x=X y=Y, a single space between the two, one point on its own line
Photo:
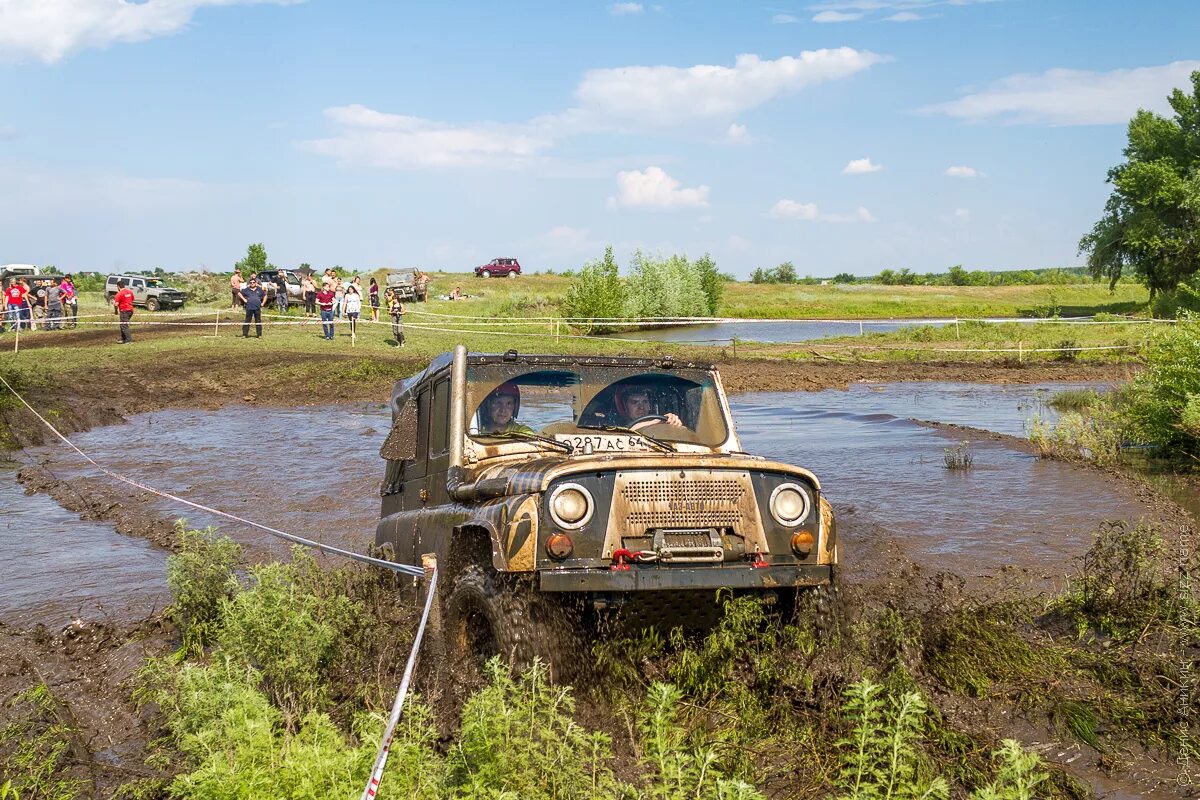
x=288 y=537
x=385 y=746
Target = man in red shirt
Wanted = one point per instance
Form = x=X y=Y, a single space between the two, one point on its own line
x=325 y=299
x=123 y=306
x=15 y=299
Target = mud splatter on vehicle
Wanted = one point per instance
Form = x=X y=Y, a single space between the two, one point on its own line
x=554 y=486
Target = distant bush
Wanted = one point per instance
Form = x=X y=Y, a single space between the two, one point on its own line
x=664 y=287
x=1182 y=300
x=1159 y=407
x=201 y=287
x=596 y=293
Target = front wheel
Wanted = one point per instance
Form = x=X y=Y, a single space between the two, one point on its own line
x=152 y=304
x=485 y=274
x=491 y=614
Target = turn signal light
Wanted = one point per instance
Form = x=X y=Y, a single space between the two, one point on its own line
x=559 y=546
x=802 y=543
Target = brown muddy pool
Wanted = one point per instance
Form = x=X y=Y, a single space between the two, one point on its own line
x=315 y=472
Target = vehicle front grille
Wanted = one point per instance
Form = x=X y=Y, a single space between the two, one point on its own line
x=682 y=500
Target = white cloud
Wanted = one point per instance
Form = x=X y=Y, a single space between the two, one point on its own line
x=655 y=189
x=665 y=96
x=370 y=137
x=1071 y=96
x=964 y=172
x=626 y=98
x=625 y=9
x=810 y=212
x=7 y=133
x=784 y=19
x=739 y=243
x=564 y=240
x=860 y=166
x=866 y=6
x=903 y=16
x=962 y=214
x=49 y=30
x=836 y=16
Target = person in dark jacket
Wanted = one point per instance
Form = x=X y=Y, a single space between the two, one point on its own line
x=281 y=292
x=252 y=298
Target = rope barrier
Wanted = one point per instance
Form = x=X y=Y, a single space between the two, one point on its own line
x=289 y=537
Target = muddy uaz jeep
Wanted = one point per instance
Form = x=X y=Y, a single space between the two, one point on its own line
x=561 y=486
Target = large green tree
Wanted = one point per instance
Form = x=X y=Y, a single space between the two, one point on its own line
x=255 y=260
x=1150 y=222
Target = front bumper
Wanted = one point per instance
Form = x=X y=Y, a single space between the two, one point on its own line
x=644 y=578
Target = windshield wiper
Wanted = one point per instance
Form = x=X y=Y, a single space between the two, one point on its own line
x=531 y=437
x=659 y=443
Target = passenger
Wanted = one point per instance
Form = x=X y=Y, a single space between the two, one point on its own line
x=636 y=401
x=498 y=412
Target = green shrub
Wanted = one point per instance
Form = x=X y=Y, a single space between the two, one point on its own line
x=596 y=293
x=1074 y=400
x=1094 y=436
x=1183 y=300
x=199 y=575
x=288 y=625
x=1018 y=775
x=235 y=745
x=34 y=749
x=680 y=769
x=664 y=287
x=881 y=754
x=1154 y=408
x=518 y=740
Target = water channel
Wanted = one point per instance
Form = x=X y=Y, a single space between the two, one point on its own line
x=315 y=472
x=773 y=331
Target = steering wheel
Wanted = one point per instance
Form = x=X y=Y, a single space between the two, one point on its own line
x=649 y=419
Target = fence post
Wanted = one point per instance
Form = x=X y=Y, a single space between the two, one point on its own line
x=17 y=341
x=956 y=331
x=1020 y=351
x=860 y=328
x=217 y=324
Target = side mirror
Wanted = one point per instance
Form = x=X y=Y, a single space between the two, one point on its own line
x=401 y=441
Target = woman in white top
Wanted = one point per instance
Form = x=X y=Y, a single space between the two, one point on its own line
x=352 y=306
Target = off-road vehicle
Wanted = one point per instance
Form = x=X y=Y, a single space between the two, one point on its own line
x=295 y=290
x=499 y=268
x=153 y=294
x=409 y=285
x=553 y=487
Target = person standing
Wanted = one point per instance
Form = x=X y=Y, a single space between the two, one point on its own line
x=353 y=306
x=325 y=301
x=373 y=293
x=252 y=298
x=70 y=299
x=281 y=292
x=123 y=308
x=54 y=307
x=309 y=288
x=339 y=297
x=235 y=288
x=396 y=309
x=14 y=300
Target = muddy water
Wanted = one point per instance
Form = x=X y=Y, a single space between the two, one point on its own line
x=57 y=568
x=316 y=472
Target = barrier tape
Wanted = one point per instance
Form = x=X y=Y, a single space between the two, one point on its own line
x=385 y=745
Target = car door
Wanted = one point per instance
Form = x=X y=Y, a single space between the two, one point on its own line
x=139 y=291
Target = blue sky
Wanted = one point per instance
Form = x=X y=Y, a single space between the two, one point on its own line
x=849 y=135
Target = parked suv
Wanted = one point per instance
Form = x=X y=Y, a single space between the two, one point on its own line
x=151 y=293
x=266 y=278
x=552 y=489
x=499 y=267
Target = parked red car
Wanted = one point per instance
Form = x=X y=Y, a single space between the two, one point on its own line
x=499 y=268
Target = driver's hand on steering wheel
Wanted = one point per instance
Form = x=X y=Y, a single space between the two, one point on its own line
x=673 y=419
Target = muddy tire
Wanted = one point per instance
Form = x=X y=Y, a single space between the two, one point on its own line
x=489 y=614
x=152 y=304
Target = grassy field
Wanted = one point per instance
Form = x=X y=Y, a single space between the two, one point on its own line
x=538 y=295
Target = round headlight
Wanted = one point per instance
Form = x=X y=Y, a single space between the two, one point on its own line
x=571 y=505
x=789 y=503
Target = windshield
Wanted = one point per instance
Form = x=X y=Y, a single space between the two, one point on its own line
x=670 y=405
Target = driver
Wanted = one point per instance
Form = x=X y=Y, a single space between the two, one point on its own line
x=635 y=401
x=498 y=411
